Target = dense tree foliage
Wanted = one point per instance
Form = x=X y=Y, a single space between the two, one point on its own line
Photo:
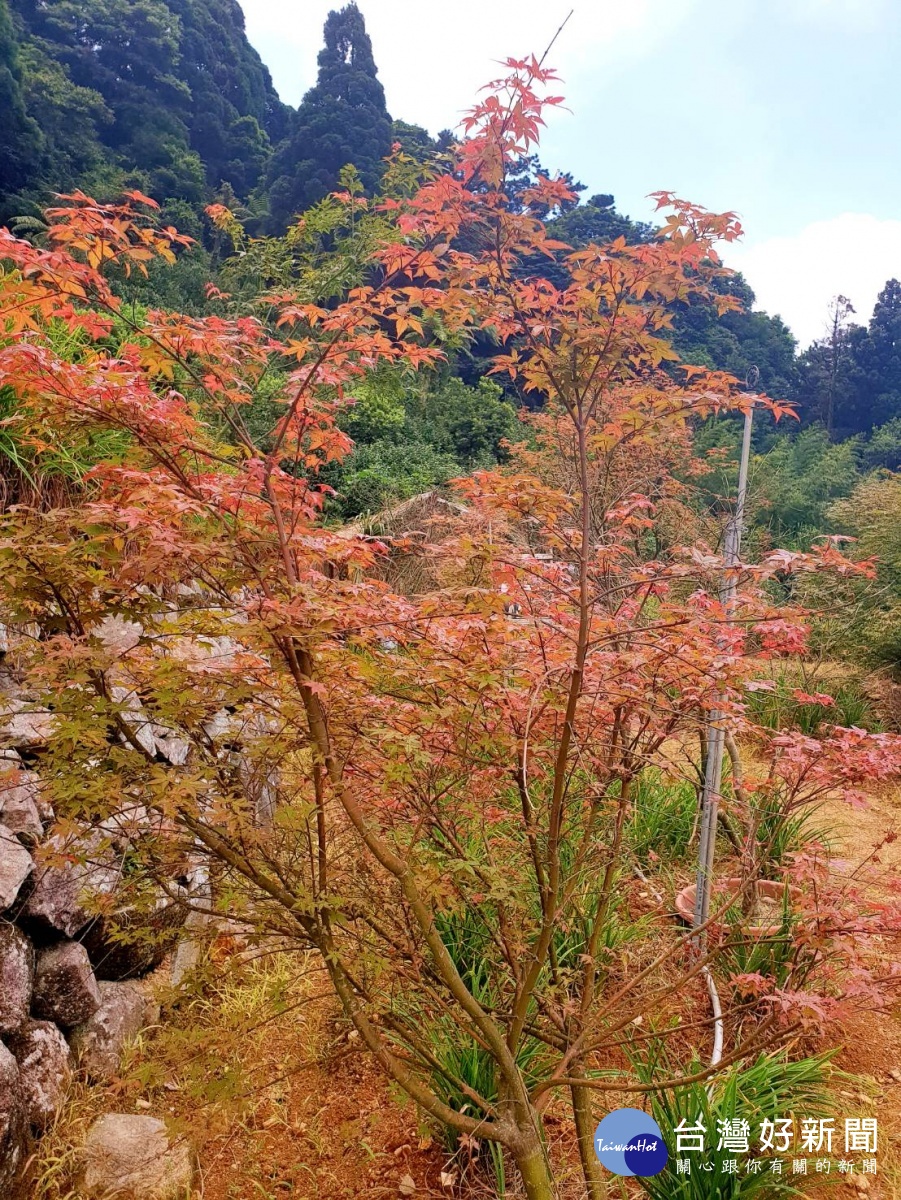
x=235 y=112
x=410 y=436
x=169 y=95
x=727 y=341
x=739 y=339
x=878 y=361
x=597 y=220
x=21 y=134
x=128 y=55
x=851 y=379
x=418 y=143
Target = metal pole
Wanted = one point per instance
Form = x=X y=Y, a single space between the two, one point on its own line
x=716 y=734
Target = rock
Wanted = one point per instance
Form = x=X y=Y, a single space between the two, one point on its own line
x=16 y=977
x=16 y=864
x=134 y=715
x=187 y=954
x=19 y=812
x=225 y=727
x=84 y=869
x=129 y=823
x=98 y=1043
x=118 y=634
x=174 y=749
x=133 y=1158
x=22 y=818
x=13 y=1126
x=259 y=782
x=20 y=797
x=25 y=728
x=130 y=942
x=29 y=781
x=65 y=989
x=224 y=649
x=44 y=1071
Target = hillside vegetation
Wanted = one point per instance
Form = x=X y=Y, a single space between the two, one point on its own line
x=377 y=652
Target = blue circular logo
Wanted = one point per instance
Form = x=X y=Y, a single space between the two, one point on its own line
x=629 y=1142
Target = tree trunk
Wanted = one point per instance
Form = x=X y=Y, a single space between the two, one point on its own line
x=534 y=1169
x=592 y=1171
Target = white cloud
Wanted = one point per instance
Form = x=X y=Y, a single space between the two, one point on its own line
x=856 y=16
x=432 y=58
x=850 y=255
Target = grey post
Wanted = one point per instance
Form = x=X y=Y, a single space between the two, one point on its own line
x=716 y=734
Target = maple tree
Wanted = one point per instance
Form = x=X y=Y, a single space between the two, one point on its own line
x=435 y=788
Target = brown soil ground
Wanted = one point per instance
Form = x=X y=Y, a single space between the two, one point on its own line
x=302 y=1112
x=335 y=1130
x=871 y=1040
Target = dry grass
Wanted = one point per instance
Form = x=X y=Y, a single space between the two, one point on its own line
x=872 y=1040
x=270 y=1087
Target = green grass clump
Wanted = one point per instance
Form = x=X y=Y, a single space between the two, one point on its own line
x=778 y=708
x=663 y=818
x=771 y=1087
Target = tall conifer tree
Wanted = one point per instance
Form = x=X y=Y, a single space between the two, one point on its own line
x=343 y=119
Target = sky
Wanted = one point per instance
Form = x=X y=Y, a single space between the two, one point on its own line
x=785 y=111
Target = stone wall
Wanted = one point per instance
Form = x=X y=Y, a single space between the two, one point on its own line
x=69 y=996
x=70 y=993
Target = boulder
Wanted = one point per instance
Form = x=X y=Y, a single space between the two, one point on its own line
x=97 y=1044
x=14 y=775
x=22 y=805
x=76 y=873
x=23 y=727
x=13 y=1126
x=225 y=727
x=259 y=782
x=16 y=977
x=129 y=823
x=19 y=810
x=65 y=989
x=187 y=953
x=117 y=633
x=131 y=942
x=44 y=1071
x=133 y=1158
x=16 y=864
x=173 y=748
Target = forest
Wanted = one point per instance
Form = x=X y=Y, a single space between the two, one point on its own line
x=450 y=661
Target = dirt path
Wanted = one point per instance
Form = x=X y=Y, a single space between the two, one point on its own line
x=871 y=1040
